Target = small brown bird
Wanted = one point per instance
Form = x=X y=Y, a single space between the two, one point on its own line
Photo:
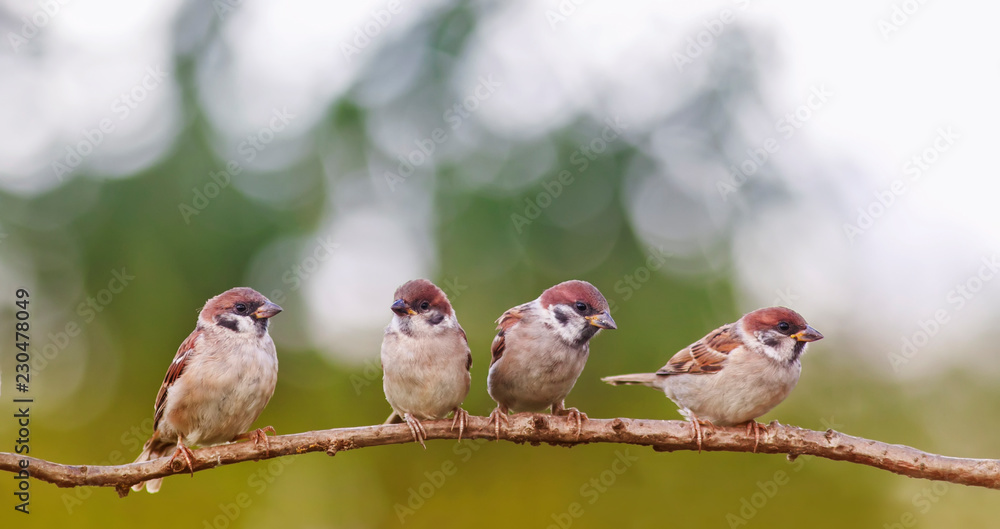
x=425 y=359
x=736 y=373
x=221 y=378
x=541 y=349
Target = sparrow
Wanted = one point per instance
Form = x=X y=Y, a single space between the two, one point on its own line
x=736 y=373
x=425 y=359
x=219 y=382
x=541 y=348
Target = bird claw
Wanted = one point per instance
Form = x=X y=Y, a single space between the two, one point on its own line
x=699 y=432
x=258 y=436
x=461 y=420
x=756 y=427
x=188 y=456
x=574 y=414
x=496 y=416
x=417 y=429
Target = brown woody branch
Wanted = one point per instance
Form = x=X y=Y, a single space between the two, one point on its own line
x=663 y=436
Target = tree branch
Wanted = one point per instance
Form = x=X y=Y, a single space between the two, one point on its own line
x=663 y=436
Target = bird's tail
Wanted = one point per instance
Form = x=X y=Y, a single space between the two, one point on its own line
x=394 y=418
x=153 y=449
x=643 y=379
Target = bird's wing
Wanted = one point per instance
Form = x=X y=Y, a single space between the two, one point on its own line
x=506 y=321
x=174 y=372
x=705 y=356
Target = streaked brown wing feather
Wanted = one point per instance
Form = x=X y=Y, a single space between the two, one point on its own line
x=504 y=323
x=705 y=356
x=465 y=340
x=173 y=373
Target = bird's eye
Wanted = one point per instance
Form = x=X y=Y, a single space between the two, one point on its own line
x=424 y=305
x=240 y=307
x=784 y=326
x=581 y=306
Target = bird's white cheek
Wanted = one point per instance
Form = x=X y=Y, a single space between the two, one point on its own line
x=776 y=346
x=245 y=324
x=567 y=326
x=422 y=326
x=447 y=324
x=571 y=331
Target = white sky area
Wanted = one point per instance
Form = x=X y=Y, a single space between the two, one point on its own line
x=888 y=100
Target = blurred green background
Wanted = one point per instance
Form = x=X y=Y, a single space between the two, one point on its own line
x=325 y=153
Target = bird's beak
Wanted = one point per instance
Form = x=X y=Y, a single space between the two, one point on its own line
x=266 y=311
x=602 y=320
x=808 y=335
x=402 y=308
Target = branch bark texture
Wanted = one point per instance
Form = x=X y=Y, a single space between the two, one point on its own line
x=663 y=436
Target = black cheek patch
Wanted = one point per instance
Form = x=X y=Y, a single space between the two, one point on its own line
x=771 y=340
x=561 y=317
x=227 y=323
x=436 y=318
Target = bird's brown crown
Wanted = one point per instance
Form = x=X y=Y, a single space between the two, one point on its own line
x=227 y=300
x=419 y=290
x=772 y=317
x=570 y=292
